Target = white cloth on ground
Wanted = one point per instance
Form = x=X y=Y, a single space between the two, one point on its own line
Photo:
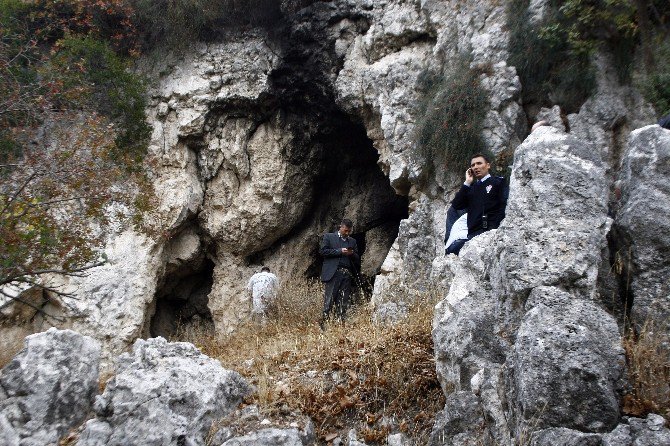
x=458 y=231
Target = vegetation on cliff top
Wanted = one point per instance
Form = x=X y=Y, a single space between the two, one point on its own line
x=72 y=128
x=553 y=55
x=450 y=118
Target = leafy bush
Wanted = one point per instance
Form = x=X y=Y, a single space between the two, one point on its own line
x=553 y=57
x=95 y=77
x=451 y=117
x=551 y=69
x=655 y=81
x=54 y=191
x=178 y=23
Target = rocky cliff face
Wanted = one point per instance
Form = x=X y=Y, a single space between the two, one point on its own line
x=264 y=140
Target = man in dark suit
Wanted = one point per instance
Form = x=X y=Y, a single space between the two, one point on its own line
x=340 y=261
x=483 y=196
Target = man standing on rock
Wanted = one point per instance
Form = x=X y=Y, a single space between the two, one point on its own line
x=340 y=261
x=263 y=287
x=483 y=196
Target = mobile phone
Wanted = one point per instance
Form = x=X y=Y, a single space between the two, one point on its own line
x=470 y=172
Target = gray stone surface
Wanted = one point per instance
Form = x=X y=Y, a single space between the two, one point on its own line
x=521 y=326
x=162 y=394
x=620 y=436
x=556 y=220
x=269 y=437
x=48 y=388
x=561 y=436
x=461 y=423
x=8 y=435
x=567 y=364
x=643 y=220
x=398 y=439
x=464 y=325
x=649 y=431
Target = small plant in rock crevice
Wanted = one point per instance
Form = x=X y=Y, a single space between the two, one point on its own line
x=648 y=365
x=450 y=118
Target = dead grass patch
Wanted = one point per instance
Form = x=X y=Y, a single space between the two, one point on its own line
x=648 y=361
x=376 y=379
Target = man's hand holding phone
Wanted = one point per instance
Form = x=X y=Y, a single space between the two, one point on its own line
x=469 y=177
x=347 y=251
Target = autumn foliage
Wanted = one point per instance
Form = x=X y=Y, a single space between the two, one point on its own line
x=72 y=135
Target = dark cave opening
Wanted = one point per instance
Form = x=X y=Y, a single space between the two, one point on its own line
x=181 y=302
x=348 y=183
x=334 y=147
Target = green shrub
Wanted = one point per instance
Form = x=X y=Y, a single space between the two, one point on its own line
x=655 y=81
x=178 y=23
x=89 y=67
x=451 y=117
x=551 y=69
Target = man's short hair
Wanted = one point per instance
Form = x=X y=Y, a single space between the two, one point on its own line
x=265 y=269
x=481 y=155
x=346 y=222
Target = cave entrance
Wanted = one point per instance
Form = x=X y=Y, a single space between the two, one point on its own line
x=181 y=303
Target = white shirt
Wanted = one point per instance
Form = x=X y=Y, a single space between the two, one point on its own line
x=263 y=285
x=488 y=175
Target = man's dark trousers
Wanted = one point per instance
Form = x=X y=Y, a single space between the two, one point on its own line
x=338 y=292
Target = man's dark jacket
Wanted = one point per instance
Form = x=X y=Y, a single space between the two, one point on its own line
x=331 y=250
x=483 y=198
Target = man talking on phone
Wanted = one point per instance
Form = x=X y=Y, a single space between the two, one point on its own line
x=483 y=196
x=340 y=260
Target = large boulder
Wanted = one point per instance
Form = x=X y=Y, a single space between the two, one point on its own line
x=163 y=393
x=464 y=325
x=556 y=220
x=567 y=364
x=521 y=326
x=643 y=221
x=461 y=423
x=270 y=437
x=48 y=388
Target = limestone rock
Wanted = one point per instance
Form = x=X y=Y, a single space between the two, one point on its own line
x=643 y=220
x=461 y=423
x=567 y=363
x=464 y=325
x=269 y=437
x=406 y=271
x=48 y=388
x=648 y=432
x=508 y=330
x=397 y=440
x=352 y=439
x=163 y=393
x=620 y=436
x=561 y=436
x=8 y=435
x=552 y=116
x=556 y=219
x=115 y=296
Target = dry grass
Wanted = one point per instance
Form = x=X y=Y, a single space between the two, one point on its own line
x=376 y=379
x=648 y=360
